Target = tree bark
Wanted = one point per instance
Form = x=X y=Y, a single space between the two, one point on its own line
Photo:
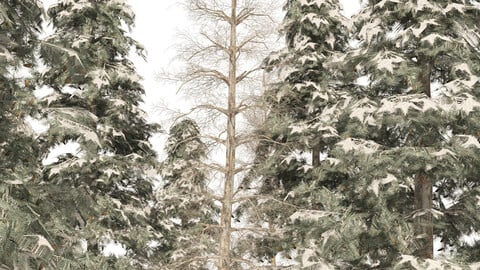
x=226 y=214
x=423 y=186
x=316 y=156
x=424 y=223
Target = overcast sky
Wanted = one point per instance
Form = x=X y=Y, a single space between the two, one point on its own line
x=158 y=23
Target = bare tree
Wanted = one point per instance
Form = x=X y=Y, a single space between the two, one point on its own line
x=222 y=55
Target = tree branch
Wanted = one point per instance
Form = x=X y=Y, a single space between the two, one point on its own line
x=246 y=73
x=215 y=167
x=216 y=43
x=202 y=7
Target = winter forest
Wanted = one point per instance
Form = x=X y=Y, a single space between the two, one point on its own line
x=313 y=141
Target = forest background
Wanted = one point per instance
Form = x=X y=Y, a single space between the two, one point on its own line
x=92 y=95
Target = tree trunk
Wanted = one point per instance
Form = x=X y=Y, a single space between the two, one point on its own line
x=316 y=156
x=424 y=223
x=226 y=214
x=423 y=187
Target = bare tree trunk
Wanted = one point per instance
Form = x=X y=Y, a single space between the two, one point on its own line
x=423 y=188
x=234 y=35
x=226 y=214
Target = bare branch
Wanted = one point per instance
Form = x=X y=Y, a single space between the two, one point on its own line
x=241 y=169
x=246 y=73
x=201 y=6
x=211 y=107
x=244 y=14
x=216 y=43
x=245 y=42
x=215 y=167
x=215 y=139
x=201 y=72
x=257 y=230
x=246 y=139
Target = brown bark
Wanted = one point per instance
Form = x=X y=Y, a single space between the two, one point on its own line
x=423 y=187
x=315 y=156
x=424 y=223
x=225 y=259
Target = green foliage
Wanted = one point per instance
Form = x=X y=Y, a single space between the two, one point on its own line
x=316 y=36
x=374 y=139
x=23 y=243
x=103 y=192
x=185 y=212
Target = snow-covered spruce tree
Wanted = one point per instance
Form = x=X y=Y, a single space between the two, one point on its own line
x=221 y=69
x=101 y=193
x=421 y=111
x=394 y=136
x=184 y=206
x=23 y=243
x=296 y=132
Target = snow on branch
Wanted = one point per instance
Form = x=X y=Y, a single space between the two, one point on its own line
x=428 y=264
x=470 y=141
x=433 y=37
x=318 y=21
x=387 y=60
x=363 y=110
x=312 y=215
x=375 y=185
x=358 y=145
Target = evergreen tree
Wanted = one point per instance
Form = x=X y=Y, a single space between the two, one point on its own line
x=185 y=212
x=23 y=243
x=369 y=203
x=422 y=61
x=296 y=131
x=103 y=192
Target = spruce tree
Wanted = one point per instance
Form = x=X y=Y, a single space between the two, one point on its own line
x=23 y=239
x=296 y=132
x=185 y=213
x=369 y=204
x=103 y=192
x=422 y=61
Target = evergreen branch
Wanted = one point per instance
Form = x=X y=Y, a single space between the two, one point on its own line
x=192 y=259
x=264 y=197
x=68 y=51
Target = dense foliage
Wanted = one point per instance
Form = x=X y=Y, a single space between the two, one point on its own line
x=370 y=152
x=415 y=120
x=104 y=190
x=22 y=236
x=61 y=214
x=185 y=211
